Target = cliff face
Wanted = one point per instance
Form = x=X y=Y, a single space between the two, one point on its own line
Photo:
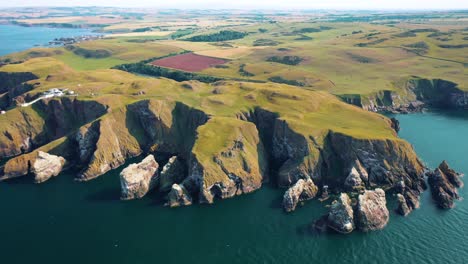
x=385 y=162
x=227 y=160
x=228 y=138
x=11 y=80
x=291 y=155
x=412 y=96
x=23 y=129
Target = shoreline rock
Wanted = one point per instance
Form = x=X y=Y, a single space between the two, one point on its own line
x=137 y=179
x=371 y=211
x=341 y=215
x=172 y=172
x=178 y=196
x=302 y=190
x=46 y=166
x=444 y=182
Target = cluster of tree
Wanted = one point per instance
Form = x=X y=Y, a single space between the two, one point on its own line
x=361 y=59
x=155 y=71
x=371 y=43
x=181 y=33
x=223 y=35
x=412 y=33
x=303 y=37
x=279 y=79
x=86 y=53
x=311 y=30
x=288 y=60
x=244 y=72
x=265 y=42
x=461 y=46
x=418 y=45
x=145 y=29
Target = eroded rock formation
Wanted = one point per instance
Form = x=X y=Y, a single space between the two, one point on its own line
x=137 y=179
x=302 y=190
x=46 y=166
x=444 y=183
x=178 y=196
x=371 y=211
x=341 y=215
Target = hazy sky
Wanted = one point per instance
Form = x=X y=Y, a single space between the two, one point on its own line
x=269 y=4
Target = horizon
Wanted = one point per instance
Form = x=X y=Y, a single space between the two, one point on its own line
x=251 y=8
x=363 y=5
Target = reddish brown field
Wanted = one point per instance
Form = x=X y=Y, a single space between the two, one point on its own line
x=188 y=62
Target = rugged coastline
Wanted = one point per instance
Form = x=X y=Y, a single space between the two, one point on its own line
x=258 y=145
x=413 y=94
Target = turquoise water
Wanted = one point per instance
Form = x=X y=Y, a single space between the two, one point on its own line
x=16 y=38
x=62 y=221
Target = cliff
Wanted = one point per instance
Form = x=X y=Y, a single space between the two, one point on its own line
x=228 y=137
x=412 y=94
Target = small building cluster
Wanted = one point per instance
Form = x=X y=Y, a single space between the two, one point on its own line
x=57 y=92
x=73 y=40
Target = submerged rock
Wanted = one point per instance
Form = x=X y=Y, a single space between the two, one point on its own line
x=371 y=211
x=302 y=190
x=341 y=215
x=444 y=182
x=46 y=166
x=178 y=196
x=137 y=179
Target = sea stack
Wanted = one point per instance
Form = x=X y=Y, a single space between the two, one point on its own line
x=137 y=179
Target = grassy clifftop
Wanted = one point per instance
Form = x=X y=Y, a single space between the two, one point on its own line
x=232 y=135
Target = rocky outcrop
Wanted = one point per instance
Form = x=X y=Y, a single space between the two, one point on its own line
x=172 y=172
x=178 y=196
x=341 y=215
x=65 y=114
x=86 y=139
x=40 y=164
x=444 y=182
x=371 y=211
x=302 y=190
x=137 y=179
x=116 y=143
x=403 y=208
x=47 y=121
x=408 y=199
x=356 y=178
x=378 y=162
x=235 y=164
x=46 y=166
x=395 y=124
x=412 y=96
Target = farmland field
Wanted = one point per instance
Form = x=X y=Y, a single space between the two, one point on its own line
x=188 y=62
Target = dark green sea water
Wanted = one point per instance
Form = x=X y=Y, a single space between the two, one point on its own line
x=62 y=221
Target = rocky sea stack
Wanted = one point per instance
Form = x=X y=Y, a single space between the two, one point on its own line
x=137 y=179
x=444 y=183
x=368 y=213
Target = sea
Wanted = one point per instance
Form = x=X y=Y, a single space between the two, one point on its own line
x=63 y=221
x=14 y=38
